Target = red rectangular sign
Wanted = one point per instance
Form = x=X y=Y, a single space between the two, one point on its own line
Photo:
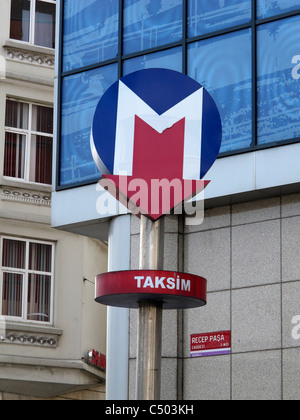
x=211 y=344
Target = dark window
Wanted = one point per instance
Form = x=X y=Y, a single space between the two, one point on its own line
x=28 y=142
x=33 y=21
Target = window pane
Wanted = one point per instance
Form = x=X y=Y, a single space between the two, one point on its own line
x=13 y=253
x=16 y=115
x=14 y=155
x=266 y=8
x=40 y=169
x=42 y=119
x=38 y=300
x=151 y=23
x=45 y=24
x=40 y=256
x=12 y=294
x=90 y=32
x=208 y=16
x=278 y=80
x=169 y=59
x=80 y=96
x=223 y=66
x=20 y=20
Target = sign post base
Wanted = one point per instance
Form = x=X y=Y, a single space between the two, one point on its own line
x=149 y=351
x=150 y=315
x=150 y=289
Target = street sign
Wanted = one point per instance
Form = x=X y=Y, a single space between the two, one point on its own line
x=155 y=134
x=174 y=290
x=211 y=344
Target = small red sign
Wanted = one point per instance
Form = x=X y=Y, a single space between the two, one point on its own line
x=98 y=360
x=211 y=344
x=174 y=290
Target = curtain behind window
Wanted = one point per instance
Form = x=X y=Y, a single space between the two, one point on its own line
x=34 y=271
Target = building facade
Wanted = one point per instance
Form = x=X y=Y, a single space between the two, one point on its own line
x=47 y=276
x=246 y=54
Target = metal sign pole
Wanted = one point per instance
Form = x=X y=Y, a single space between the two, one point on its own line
x=150 y=315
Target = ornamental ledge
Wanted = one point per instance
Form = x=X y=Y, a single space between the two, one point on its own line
x=27 y=197
x=29 y=57
x=31 y=340
x=41 y=336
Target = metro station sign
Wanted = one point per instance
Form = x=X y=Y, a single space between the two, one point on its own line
x=174 y=290
x=155 y=134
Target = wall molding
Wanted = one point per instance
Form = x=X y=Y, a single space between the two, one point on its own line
x=29 y=55
x=32 y=335
x=25 y=196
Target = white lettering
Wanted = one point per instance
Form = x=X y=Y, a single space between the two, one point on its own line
x=296 y=69
x=218 y=338
x=178 y=283
x=139 y=279
x=202 y=339
x=133 y=411
x=140 y=197
x=106 y=204
x=171 y=283
x=148 y=283
x=186 y=285
x=162 y=191
x=296 y=329
x=159 y=282
x=164 y=185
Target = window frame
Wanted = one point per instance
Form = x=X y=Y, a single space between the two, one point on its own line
x=25 y=273
x=253 y=25
x=28 y=133
x=32 y=24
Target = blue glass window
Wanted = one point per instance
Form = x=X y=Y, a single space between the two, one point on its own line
x=279 y=80
x=220 y=59
x=206 y=16
x=151 y=23
x=90 y=32
x=80 y=96
x=168 y=59
x=223 y=66
x=267 y=8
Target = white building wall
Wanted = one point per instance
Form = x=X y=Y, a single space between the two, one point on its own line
x=79 y=324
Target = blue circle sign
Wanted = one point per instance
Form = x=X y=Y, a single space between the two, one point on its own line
x=161 y=98
x=156 y=124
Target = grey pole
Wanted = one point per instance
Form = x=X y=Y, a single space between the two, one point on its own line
x=118 y=318
x=150 y=315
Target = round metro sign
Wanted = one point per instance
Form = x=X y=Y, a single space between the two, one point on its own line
x=155 y=129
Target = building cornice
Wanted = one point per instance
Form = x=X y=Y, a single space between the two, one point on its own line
x=25 y=196
x=29 y=54
x=33 y=335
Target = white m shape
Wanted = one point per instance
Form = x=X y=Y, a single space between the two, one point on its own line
x=130 y=105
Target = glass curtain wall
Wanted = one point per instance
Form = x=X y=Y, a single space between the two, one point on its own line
x=244 y=52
